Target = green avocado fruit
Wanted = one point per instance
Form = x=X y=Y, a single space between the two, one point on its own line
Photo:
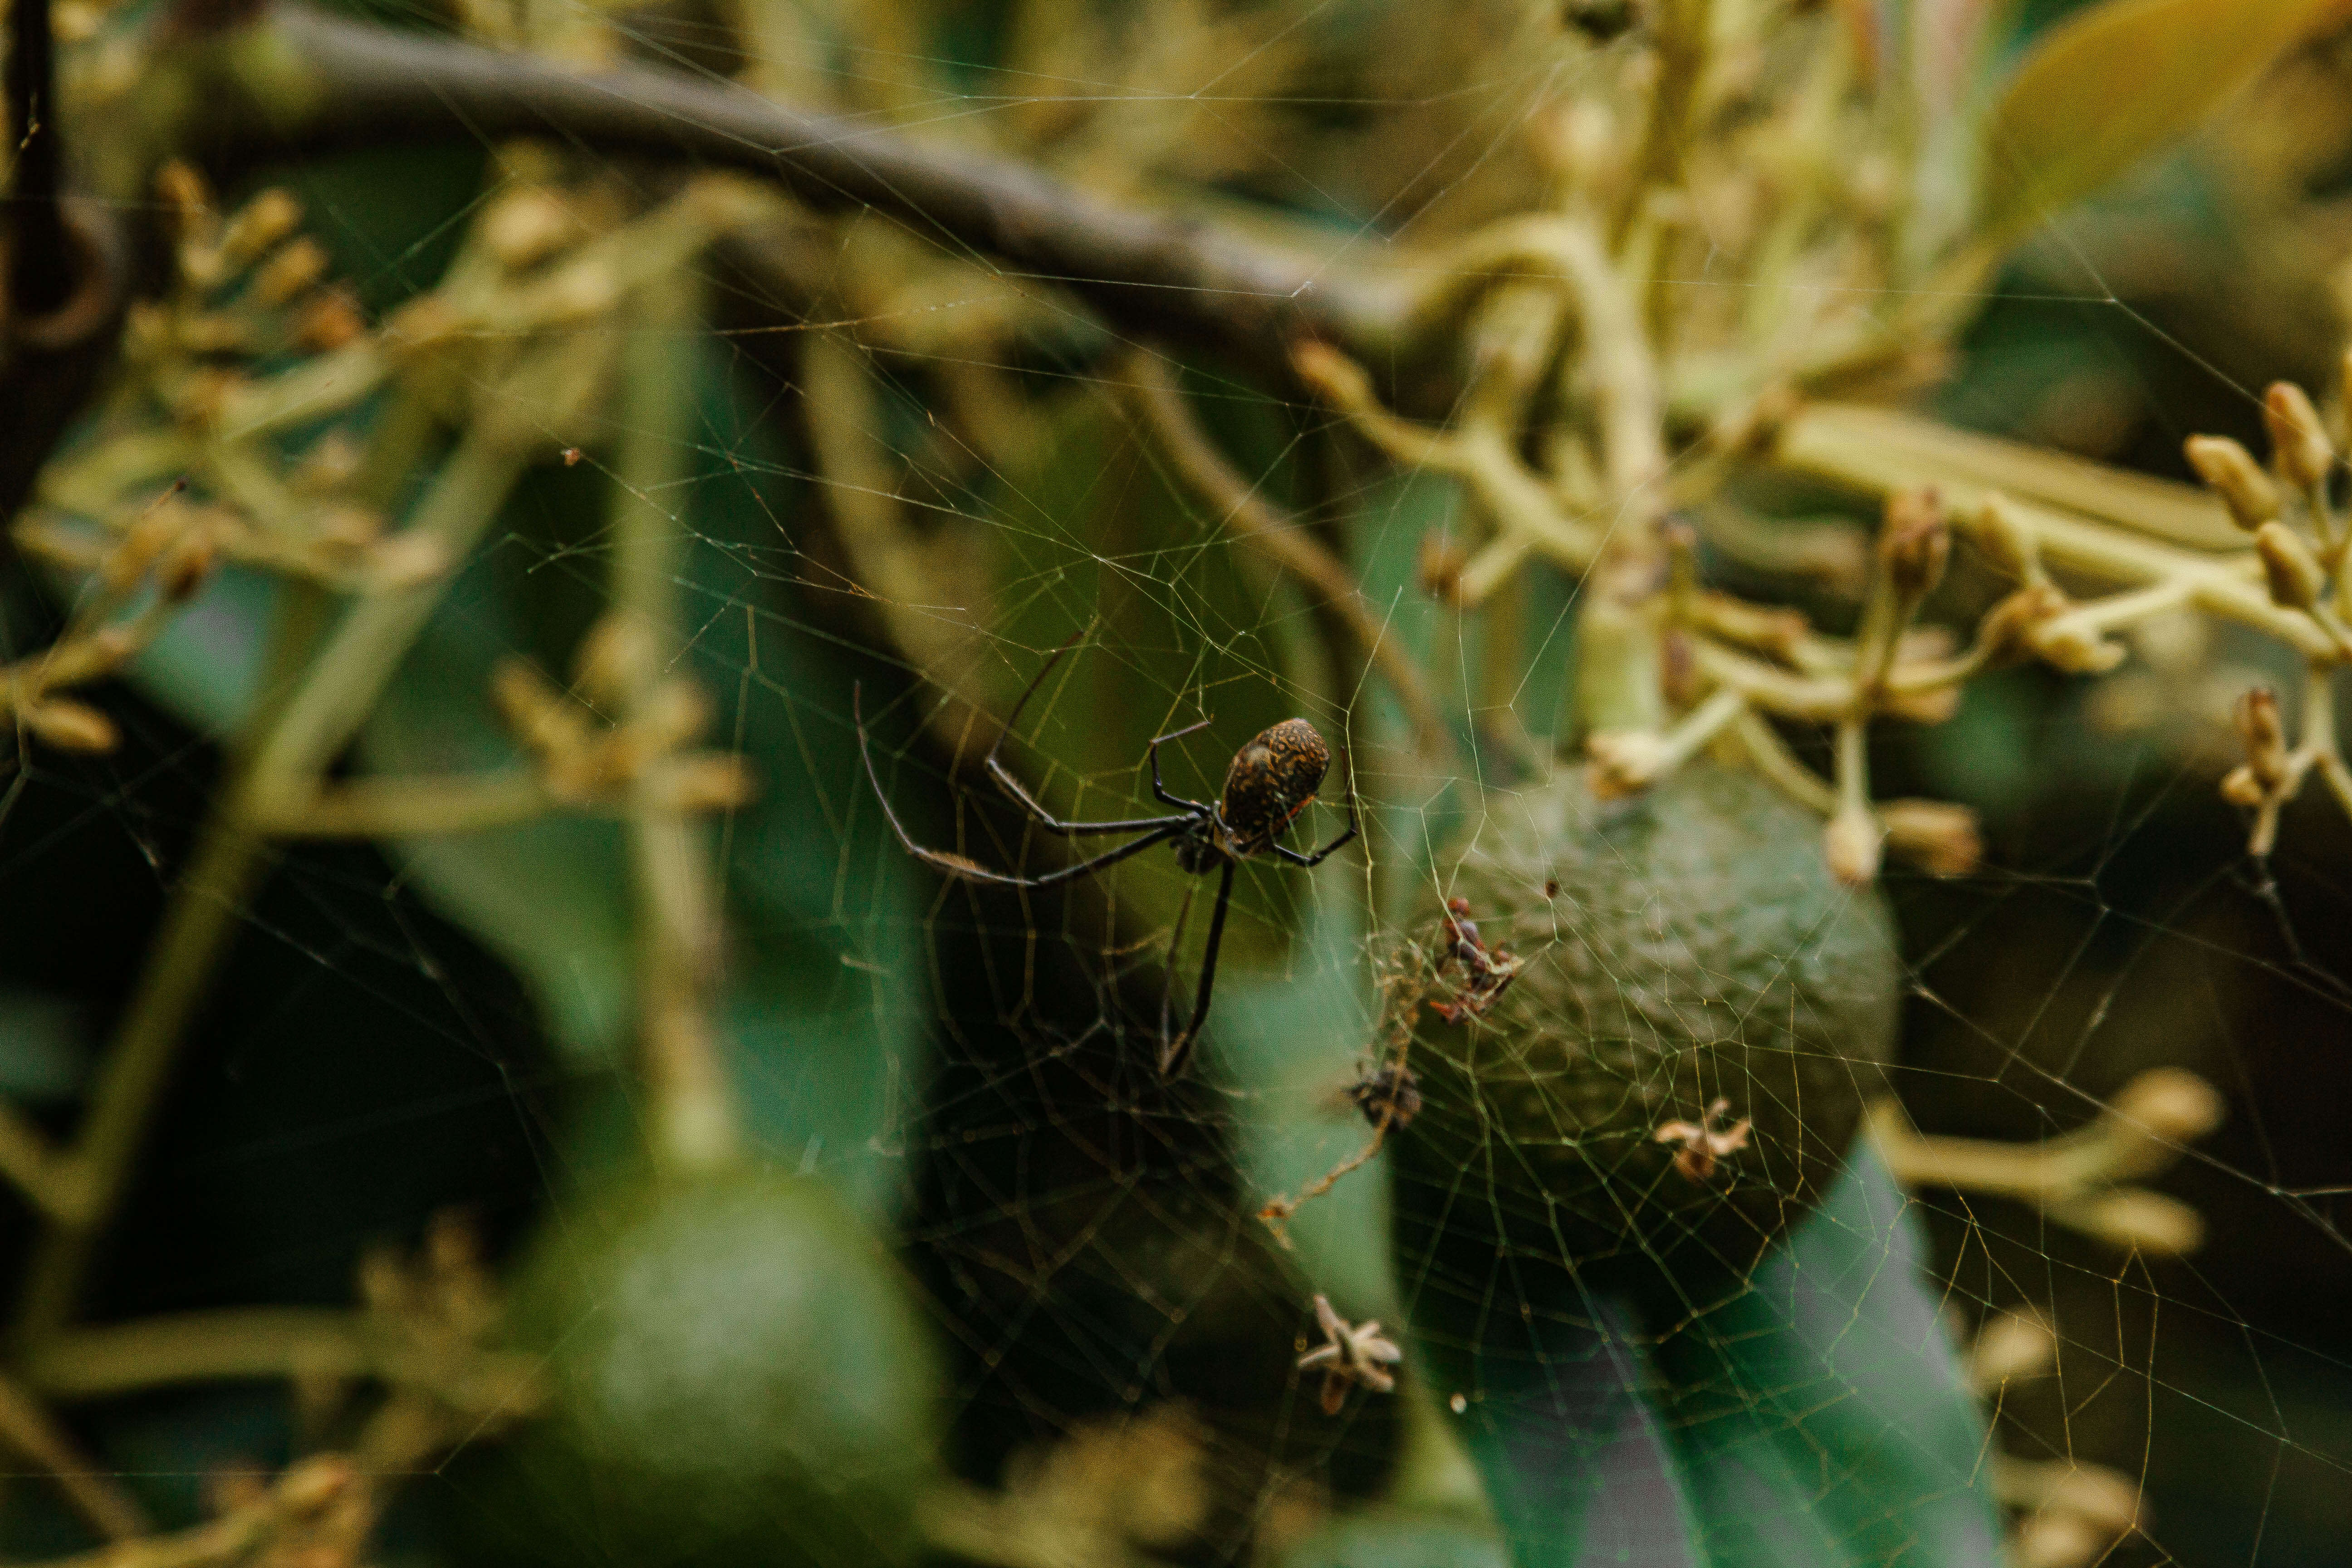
x=1682 y=950
x=738 y=1373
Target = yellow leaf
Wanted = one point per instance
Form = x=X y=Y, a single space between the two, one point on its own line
x=2114 y=83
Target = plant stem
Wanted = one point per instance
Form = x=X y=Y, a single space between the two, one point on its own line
x=693 y=1124
x=286 y=750
x=27 y=1428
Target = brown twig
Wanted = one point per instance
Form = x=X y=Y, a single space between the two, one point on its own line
x=1150 y=386
x=300 y=82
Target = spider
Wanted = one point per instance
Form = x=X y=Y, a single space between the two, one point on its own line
x=1270 y=781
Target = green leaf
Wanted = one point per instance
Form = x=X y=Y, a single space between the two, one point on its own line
x=1396 y=1538
x=2113 y=84
x=1817 y=1420
x=1289 y=1043
x=1821 y=1413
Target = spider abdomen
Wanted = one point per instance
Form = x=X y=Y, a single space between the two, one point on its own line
x=1270 y=782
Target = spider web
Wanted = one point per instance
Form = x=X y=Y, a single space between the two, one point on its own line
x=403 y=1029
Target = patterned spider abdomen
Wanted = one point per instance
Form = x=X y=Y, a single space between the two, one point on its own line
x=1270 y=782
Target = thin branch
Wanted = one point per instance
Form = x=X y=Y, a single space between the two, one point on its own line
x=303 y=1497
x=396 y=807
x=270 y=1343
x=693 y=1124
x=94 y=1494
x=1150 y=387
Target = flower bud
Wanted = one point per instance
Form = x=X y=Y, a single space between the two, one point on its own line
x=2007 y=539
x=289 y=272
x=2012 y=1346
x=1439 y=567
x=2239 y=786
x=2170 y=1102
x=2230 y=472
x=2299 y=442
x=259 y=226
x=675 y=711
x=188 y=567
x=142 y=545
x=2292 y=573
x=614 y=655
x=327 y=322
x=2134 y=1219
x=1624 y=761
x=528 y=226
x=1915 y=545
x=712 y=784
x=313 y=1485
x=2263 y=733
x=407 y=559
x=541 y=717
x=1938 y=836
x=1852 y=842
x=69 y=726
x=2068 y=645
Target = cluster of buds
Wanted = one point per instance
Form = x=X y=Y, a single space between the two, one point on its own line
x=2037 y=619
x=247 y=284
x=2303 y=541
x=2086 y=1179
x=138 y=581
x=583 y=762
x=2069 y=1514
x=437 y=1311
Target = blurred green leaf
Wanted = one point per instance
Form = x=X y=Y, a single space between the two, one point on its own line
x=1394 y=1538
x=2113 y=84
x=1816 y=1420
x=1289 y=1043
x=44 y=1054
x=1820 y=1414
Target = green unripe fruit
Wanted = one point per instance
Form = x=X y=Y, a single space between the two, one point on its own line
x=738 y=1375
x=1680 y=947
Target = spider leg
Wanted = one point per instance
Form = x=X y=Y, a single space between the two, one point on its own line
x=1159 y=790
x=1177 y=1052
x=972 y=870
x=1284 y=851
x=1175 y=945
x=1030 y=803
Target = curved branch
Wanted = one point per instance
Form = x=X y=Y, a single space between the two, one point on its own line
x=1150 y=388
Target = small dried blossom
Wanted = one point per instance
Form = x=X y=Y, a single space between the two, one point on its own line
x=1388 y=1096
x=1702 y=1143
x=1487 y=972
x=1350 y=1352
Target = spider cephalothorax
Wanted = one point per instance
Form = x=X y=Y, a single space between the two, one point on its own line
x=1271 y=781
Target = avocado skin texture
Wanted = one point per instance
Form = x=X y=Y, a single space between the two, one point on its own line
x=1696 y=947
x=738 y=1375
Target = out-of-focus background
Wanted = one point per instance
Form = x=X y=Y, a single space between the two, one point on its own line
x=388 y=1137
